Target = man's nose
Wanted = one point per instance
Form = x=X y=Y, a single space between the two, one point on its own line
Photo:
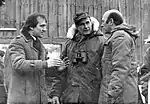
x=44 y=30
x=102 y=25
x=86 y=26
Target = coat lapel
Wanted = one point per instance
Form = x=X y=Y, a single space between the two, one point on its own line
x=43 y=52
x=31 y=45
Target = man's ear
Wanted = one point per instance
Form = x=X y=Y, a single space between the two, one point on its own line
x=111 y=21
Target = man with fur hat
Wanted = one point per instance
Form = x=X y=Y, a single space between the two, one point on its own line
x=83 y=75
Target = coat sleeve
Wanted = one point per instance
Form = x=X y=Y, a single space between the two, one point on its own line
x=53 y=83
x=59 y=81
x=97 y=60
x=58 y=85
x=18 y=59
x=146 y=65
x=144 y=70
x=121 y=51
x=1 y=71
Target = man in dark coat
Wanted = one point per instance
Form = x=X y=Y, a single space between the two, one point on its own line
x=83 y=75
x=1 y=66
x=2 y=89
x=119 y=63
x=145 y=74
x=25 y=63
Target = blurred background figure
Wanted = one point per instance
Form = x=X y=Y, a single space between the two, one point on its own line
x=145 y=70
x=2 y=89
x=1 y=66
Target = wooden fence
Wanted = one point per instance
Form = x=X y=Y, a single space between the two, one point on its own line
x=60 y=13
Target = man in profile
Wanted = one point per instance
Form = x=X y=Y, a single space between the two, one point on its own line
x=119 y=62
x=25 y=63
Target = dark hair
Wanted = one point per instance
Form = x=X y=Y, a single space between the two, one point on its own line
x=116 y=17
x=2 y=2
x=31 y=21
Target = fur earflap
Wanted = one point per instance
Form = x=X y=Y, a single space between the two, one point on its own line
x=72 y=29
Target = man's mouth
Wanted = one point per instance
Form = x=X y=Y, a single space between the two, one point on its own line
x=86 y=30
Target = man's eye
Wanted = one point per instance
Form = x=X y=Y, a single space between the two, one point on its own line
x=82 y=24
x=87 y=22
x=103 y=22
x=42 y=25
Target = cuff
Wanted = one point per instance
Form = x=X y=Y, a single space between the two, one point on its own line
x=45 y=64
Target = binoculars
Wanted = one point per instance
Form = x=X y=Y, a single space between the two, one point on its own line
x=80 y=55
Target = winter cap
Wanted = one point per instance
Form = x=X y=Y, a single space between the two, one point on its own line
x=80 y=16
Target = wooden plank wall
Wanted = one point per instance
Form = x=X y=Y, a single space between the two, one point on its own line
x=60 y=15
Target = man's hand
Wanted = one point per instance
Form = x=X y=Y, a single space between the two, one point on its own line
x=49 y=101
x=64 y=64
x=54 y=62
x=55 y=100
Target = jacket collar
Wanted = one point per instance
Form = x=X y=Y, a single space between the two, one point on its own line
x=26 y=36
x=29 y=40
